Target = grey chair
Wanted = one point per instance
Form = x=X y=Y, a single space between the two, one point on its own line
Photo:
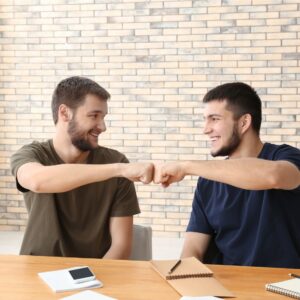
x=142 y=243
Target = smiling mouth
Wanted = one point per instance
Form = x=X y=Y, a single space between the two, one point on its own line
x=94 y=134
x=214 y=139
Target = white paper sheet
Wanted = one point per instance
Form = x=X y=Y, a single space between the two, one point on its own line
x=61 y=281
x=88 y=295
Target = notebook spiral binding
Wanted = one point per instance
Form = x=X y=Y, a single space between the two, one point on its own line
x=171 y=277
x=282 y=291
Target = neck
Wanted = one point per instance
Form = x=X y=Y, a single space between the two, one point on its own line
x=67 y=151
x=250 y=146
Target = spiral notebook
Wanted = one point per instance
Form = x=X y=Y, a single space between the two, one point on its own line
x=190 y=278
x=290 y=288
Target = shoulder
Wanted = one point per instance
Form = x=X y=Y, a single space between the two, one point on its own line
x=34 y=147
x=33 y=152
x=281 y=152
x=272 y=148
x=107 y=155
x=272 y=151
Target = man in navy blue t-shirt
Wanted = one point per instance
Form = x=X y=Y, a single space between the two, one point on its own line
x=249 y=203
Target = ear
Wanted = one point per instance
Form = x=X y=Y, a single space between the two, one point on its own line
x=64 y=113
x=245 y=122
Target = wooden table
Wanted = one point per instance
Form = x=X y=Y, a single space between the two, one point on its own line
x=126 y=280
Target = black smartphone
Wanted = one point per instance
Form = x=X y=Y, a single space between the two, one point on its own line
x=81 y=274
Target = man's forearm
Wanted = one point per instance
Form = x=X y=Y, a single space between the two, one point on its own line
x=246 y=173
x=117 y=253
x=62 y=178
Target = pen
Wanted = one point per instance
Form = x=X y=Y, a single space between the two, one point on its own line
x=294 y=275
x=175 y=266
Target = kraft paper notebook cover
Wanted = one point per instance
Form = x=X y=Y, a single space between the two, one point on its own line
x=191 y=278
x=290 y=288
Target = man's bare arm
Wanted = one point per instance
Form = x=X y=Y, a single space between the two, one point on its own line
x=195 y=244
x=245 y=173
x=121 y=229
x=65 y=177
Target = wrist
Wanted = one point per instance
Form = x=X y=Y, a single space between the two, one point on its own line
x=118 y=170
x=185 y=167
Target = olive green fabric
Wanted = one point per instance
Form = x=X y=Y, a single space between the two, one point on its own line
x=74 y=223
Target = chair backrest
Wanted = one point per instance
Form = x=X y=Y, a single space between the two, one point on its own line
x=142 y=243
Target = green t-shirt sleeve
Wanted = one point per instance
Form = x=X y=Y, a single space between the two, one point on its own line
x=24 y=155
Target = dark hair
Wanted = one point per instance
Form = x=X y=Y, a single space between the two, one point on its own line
x=72 y=92
x=241 y=99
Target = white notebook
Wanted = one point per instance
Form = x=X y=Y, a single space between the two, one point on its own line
x=290 y=288
x=61 y=281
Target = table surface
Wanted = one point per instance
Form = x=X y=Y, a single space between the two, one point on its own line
x=126 y=280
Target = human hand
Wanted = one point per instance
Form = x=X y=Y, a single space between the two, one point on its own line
x=142 y=172
x=167 y=173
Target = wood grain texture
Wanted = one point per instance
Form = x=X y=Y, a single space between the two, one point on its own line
x=126 y=280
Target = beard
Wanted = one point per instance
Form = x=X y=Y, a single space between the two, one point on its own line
x=231 y=146
x=78 y=138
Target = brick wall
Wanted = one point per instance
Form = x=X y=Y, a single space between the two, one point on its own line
x=157 y=59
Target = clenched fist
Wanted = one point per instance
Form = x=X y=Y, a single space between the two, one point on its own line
x=142 y=172
x=167 y=173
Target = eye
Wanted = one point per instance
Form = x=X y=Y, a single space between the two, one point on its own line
x=94 y=116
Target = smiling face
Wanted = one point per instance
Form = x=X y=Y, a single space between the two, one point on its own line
x=88 y=123
x=221 y=128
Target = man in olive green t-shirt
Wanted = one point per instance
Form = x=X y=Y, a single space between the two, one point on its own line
x=79 y=196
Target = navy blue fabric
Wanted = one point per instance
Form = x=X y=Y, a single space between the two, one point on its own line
x=252 y=228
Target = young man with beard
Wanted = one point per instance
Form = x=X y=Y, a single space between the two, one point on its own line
x=249 y=203
x=78 y=194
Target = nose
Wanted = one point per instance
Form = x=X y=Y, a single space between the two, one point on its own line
x=101 y=126
x=206 y=128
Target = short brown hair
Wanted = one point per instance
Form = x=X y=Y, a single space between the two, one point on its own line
x=72 y=92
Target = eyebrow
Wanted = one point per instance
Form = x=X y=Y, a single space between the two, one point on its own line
x=212 y=115
x=96 y=112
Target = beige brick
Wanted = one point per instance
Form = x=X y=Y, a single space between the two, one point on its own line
x=282 y=35
x=254 y=22
x=16 y=210
x=234 y=16
x=151 y=214
x=17 y=222
x=9 y=228
x=164 y=143
x=265 y=29
x=176 y=228
x=261 y=2
x=166 y=234
x=167 y=221
x=285 y=118
x=175 y=215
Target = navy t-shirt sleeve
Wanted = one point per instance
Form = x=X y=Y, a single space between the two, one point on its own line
x=288 y=153
x=198 y=221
